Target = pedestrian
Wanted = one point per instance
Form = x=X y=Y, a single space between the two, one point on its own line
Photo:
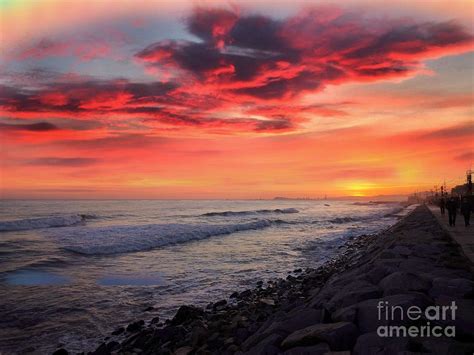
x=452 y=207
x=442 y=205
x=466 y=210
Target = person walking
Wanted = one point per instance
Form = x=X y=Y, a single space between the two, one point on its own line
x=466 y=210
x=452 y=206
x=442 y=205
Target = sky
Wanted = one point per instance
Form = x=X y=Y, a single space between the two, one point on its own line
x=244 y=99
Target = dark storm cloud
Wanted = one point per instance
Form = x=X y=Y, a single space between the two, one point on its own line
x=31 y=127
x=239 y=62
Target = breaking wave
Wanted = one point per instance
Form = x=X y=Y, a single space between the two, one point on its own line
x=249 y=213
x=133 y=238
x=384 y=214
x=43 y=222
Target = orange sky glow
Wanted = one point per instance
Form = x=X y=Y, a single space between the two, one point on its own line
x=213 y=99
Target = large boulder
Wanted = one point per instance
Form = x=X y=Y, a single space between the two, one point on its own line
x=346 y=314
x=372 y=344
x=401 y=250
x=319 y=349
x=403 y=282
x=339 y=336
x=370 y=317
x=463 y=317
x=337 y=295
x=441 y=346
x=186 y=314
x=458 y=288
x=355 y=293
x=267 y=346
x=285 y=323
x=377 y=273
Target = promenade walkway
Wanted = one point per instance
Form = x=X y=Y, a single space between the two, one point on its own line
x=462 y=235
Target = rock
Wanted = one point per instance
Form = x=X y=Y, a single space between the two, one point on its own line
x=447 y=346
x=354 y=293
x=219 y=305
x=113 y=345
x=199 y=334
x=232 y=349
x=267 y=346
x=368 y=313
x=319 y=349
x=245 y=294
x=234 y=295
x=463 y=317
x=403 y=282
x=458 y=288
x=267 y=301
x=61 y=352
x=347 y=314
x=339 y=336
x=135 y=326
x=285 y=323
x=169 y=333
x=387 y=255
x=185 y=350
x=118 y=331
x=187 y=313
x=102 y=350
x=377 y=273
x=155 y=320
x=371 y=343
x=401 y=250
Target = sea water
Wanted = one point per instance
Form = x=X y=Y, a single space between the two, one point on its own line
x=73 y=271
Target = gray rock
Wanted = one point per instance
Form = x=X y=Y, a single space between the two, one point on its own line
x=186 y=313
x=368 y=313
x=372 y=344
x=377 y=273
x=401 y=250
x=285 y=323
x=403 y=282
x=447 y=346
x=267 y=346
x=464 y=317
x=354 y=293
x=337 y=294
x=319 y=349
x=347 y=314
x=339 y=336
x=136 y=326
x=458 y=288
x=185 y=350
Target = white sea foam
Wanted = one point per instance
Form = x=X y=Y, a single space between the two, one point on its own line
x=43 y=222
x=132 y=238
x=372 y=216
x=249 y=213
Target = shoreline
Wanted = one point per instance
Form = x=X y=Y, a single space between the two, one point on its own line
x=324 y=309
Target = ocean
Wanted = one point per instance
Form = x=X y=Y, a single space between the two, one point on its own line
x=73 y=271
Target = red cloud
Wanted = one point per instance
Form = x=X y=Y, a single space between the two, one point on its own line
x=246 y=72
x=265 y=59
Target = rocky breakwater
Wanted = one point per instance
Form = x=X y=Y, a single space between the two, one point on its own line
x=407 y=289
